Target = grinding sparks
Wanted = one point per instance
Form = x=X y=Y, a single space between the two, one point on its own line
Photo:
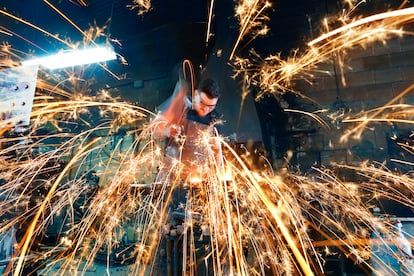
x=246 y=210
x=251 y=19
x=252 y=219
x=277 y=75
x=143 y=6
x=81 y=182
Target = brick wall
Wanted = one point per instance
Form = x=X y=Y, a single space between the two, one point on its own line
x=372 y=76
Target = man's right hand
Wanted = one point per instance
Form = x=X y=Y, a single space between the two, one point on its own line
x=174 y=131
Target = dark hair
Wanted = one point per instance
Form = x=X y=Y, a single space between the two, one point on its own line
x=210 y=88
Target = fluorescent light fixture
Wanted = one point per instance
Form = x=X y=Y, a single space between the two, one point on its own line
x=73 y=58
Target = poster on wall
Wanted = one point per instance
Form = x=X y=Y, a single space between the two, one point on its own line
x=17 y=88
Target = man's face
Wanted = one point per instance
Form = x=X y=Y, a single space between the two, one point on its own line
x=203 y=104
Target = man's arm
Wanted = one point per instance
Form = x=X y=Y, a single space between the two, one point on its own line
x=168 y=121
x=163 y=128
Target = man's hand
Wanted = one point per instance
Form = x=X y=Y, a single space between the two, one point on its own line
x=174 y=131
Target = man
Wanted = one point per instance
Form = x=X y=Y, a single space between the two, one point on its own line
x=185 y=124
x=192 y=154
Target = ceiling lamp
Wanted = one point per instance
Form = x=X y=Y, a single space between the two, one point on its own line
x=73 y=58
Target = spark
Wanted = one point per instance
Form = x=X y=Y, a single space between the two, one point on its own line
x=143 y=6
x=312 y=115
x=402 y=162
x=357 y=130
x=34 y=26
x=275 y=74
x=350 y=27
x=250 y=15
x=66 y=18
x=210 y=17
